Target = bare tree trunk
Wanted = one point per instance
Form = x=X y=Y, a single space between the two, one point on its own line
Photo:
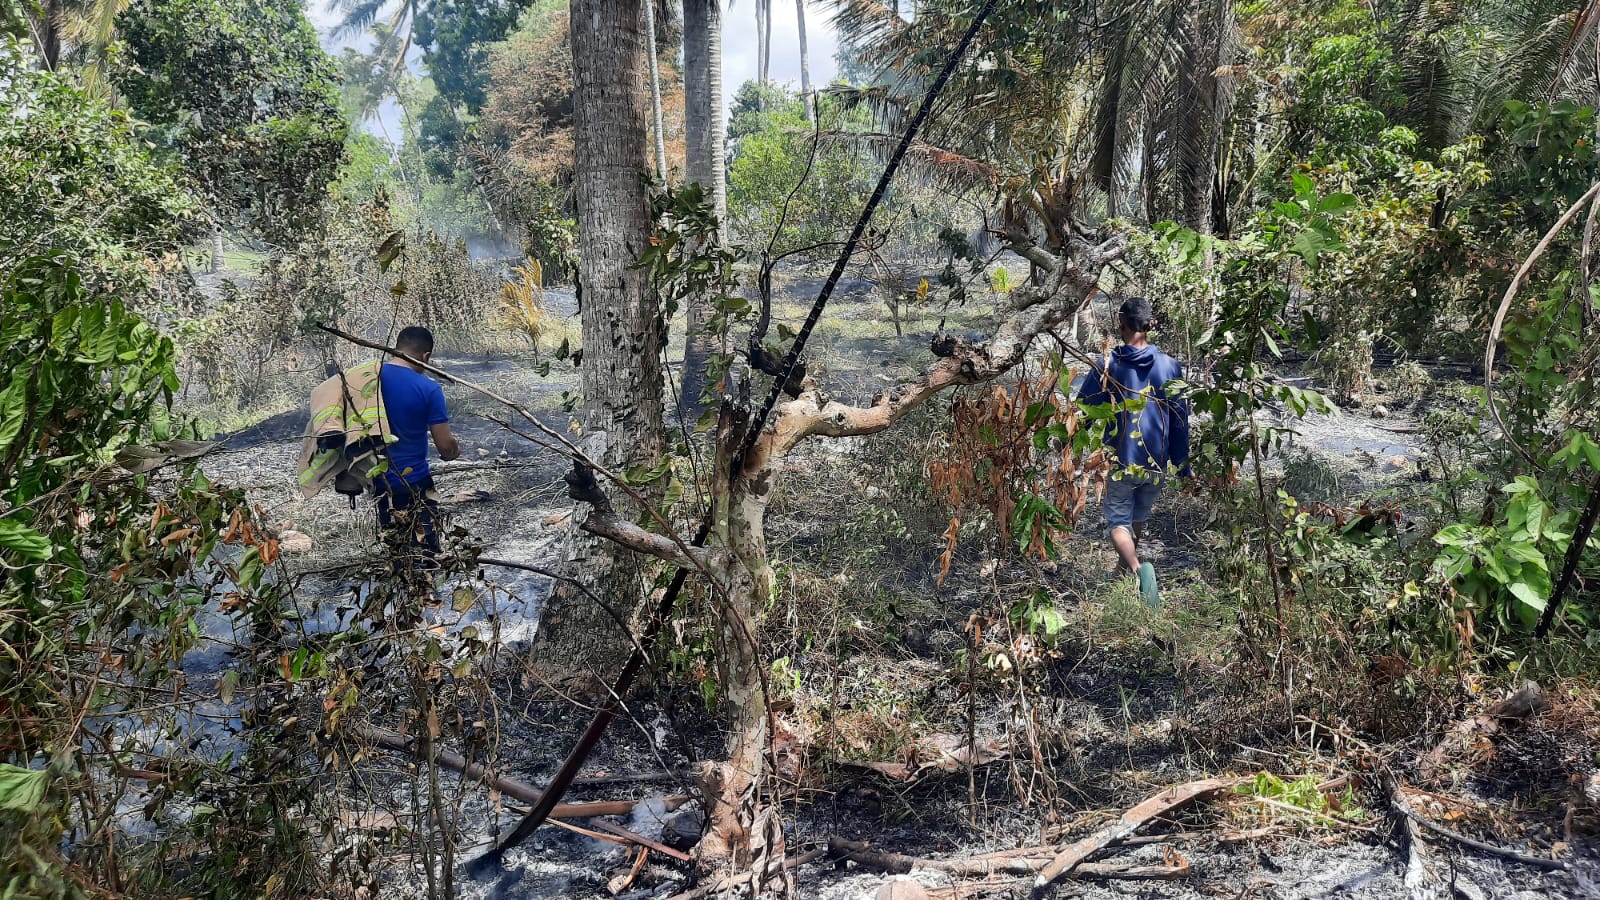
x=216 y=250
x=805 y=65
x=622 y=382
x=738 y=833
x=702 y=87
x=766 y=41
x=655 y=88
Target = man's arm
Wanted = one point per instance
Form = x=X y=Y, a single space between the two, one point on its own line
x=445 y=440
x=1093 y=392
x=1178 y=427
x=439 y=426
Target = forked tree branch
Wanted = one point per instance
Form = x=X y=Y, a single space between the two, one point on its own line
x=1040 y=308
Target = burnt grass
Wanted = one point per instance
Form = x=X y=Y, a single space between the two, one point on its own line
x=1120 y=706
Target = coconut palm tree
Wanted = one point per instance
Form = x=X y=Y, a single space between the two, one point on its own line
x=655 y=88
x=622 y=378
x=1131 y=94
x=805 y=64
x=705 y=161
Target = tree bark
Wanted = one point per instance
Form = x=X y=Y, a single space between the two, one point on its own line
x=1205 y=100
x=805 y=65
x=739 y=831
x=48 y=38
x=578 y=643
x=216 y=250
x=705 y=162
x=655 y=88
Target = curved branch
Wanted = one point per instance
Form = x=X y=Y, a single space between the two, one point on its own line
x=1505 y=308
x=604 y=522
x=960 y=362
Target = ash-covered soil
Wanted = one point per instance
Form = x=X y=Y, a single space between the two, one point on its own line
x=1117 y=723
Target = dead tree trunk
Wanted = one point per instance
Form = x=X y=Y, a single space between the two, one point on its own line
x=741 y=833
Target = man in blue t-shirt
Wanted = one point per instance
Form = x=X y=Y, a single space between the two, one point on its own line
x=414 y=406
x=1149 y=440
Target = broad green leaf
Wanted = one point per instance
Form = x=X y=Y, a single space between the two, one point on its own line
x=1333 y=204
x=23 y=790
x=24 y=541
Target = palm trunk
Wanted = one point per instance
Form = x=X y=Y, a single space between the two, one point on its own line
x=1204 y=100
x=766 y=41
x=805 y=65
x=48 y=34
x=622 y=385
x=702 y=87
x=655 y=88
x=216 y=250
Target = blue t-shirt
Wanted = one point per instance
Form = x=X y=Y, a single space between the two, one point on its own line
x=413 y=403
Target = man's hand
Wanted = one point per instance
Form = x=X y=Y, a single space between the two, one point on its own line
x=445 y=440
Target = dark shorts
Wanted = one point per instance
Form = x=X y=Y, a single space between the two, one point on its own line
x=1129 y=498
x=410 y=514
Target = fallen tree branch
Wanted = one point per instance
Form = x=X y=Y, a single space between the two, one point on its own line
x=1168 y=800
x=511 y=787
x=1015 y=862
x=1398 y=803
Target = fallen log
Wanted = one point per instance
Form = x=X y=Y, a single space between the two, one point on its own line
x=511 y=787
x=1077 y=853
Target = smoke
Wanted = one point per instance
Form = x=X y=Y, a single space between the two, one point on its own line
x=492 y=247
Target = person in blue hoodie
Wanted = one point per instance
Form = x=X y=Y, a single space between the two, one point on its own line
x=1149 y=441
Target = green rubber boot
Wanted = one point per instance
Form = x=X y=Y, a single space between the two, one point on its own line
x=1147 y=585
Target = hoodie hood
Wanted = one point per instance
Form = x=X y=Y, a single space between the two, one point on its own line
x=1140 y=359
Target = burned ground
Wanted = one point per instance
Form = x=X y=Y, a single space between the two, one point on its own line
x=1122 y=702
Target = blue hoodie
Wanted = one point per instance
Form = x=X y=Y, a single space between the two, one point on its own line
x=1161 y=435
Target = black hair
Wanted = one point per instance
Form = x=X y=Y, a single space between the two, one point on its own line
x=415 y=340
x=1137 y=314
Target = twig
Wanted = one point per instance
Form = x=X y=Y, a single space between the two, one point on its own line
x=606 y=607
x=511 y=787
x=1015 y=864
x=1569 y=568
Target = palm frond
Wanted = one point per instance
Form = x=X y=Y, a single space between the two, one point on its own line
x=358 y=16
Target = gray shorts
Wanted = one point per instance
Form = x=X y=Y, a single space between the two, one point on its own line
x=1129 y=498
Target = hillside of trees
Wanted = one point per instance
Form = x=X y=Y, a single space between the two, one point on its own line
x=782 y=554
